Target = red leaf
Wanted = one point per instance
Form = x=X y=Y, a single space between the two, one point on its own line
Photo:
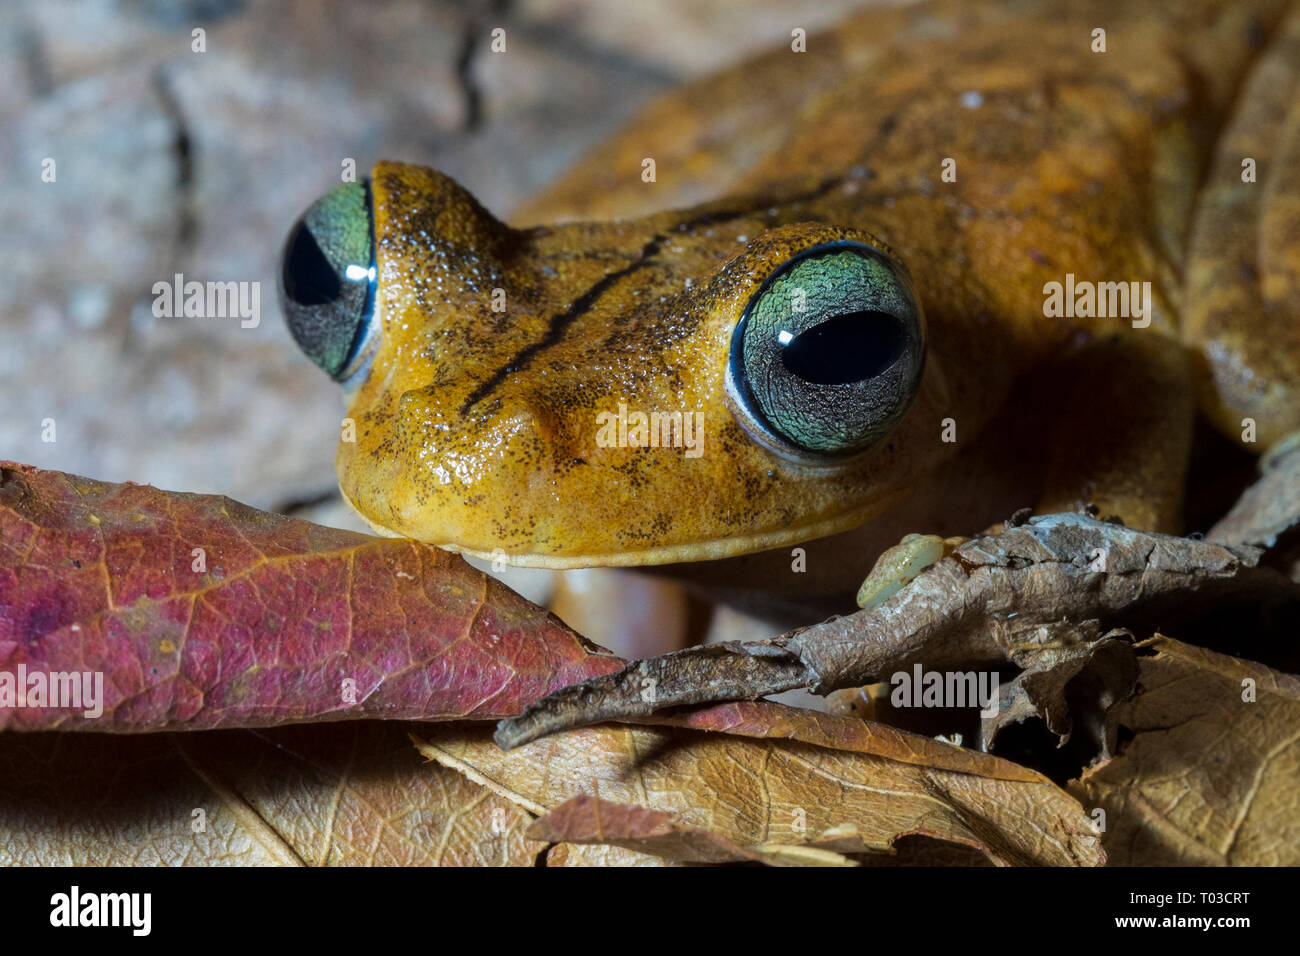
x=98 y=577
x=589 y=820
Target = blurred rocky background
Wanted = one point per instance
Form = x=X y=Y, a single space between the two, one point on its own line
x=168 y=161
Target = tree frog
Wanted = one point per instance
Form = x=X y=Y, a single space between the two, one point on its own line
x=940 y=249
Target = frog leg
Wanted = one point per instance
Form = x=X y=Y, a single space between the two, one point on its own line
x=1242 y=315
x=1123 y=435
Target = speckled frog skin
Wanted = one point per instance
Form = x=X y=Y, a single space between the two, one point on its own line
x=490 y=350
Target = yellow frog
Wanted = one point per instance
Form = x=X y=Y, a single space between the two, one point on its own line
x=969 y=257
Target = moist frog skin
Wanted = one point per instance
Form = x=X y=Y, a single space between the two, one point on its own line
x=847 y=290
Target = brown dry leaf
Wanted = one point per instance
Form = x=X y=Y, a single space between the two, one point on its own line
x=342 y=794
x=1208 y=777
x=607 y=854
x=775 y=797
x=923 y=851
x=1268 y=514
x=1087 y=671
x=589 y=820
x=996 y=598
x=766 y=719
x=602 y=854
x=585 y=819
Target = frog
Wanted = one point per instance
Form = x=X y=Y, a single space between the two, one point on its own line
x=850 y=274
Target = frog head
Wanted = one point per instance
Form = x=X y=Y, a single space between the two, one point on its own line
x=691 y=385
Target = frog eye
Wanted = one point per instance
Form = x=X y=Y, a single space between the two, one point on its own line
x=829 y=353
x=327 y=278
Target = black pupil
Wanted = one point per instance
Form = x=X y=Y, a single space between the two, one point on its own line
x=845 y=349
x=309 y=278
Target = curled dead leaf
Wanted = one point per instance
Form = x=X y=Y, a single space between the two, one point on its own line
x=1207 y=767
x=766 y=795
x=348 y=794
x=997 y=599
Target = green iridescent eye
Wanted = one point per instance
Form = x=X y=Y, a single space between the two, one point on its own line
x=829 y=353
x=327 y=278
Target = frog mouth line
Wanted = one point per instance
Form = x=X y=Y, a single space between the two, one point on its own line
x=712 y=550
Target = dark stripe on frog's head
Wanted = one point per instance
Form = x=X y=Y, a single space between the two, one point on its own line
x=583 y=303
x=502 y=350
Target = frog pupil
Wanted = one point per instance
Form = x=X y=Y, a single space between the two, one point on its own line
x=309 y=277
x=828 y=354
x=327 y=279
x=845 y=349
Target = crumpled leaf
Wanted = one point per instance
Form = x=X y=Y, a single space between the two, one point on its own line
x=766 y=719
x=761 y=795
x=279 y=614
x=996 y=598
x=602 y=854
x=1100 y=669
x=1268 y=514
x=589 y=820
x=1208 y=778
x=323 y=794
